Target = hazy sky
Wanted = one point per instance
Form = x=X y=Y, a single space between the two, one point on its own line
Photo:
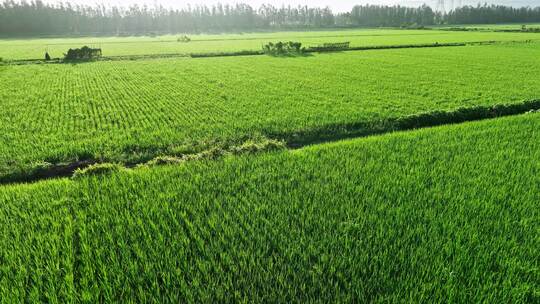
x=336 y=5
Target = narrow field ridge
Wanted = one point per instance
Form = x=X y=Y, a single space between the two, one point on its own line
x=297 y=140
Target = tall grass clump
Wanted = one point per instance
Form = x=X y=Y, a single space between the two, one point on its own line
x=97 y=170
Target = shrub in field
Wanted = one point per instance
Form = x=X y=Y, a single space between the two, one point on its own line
x=98 y=169
x=184 y=39
x=84 y=53
x=283 y=48
x=47 y=56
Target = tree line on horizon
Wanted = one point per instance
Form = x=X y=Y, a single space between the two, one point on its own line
x=37 y=17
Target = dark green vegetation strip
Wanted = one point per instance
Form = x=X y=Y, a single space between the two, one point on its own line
x=449 y=213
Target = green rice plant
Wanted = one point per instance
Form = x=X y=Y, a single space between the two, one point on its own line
x=445 y=213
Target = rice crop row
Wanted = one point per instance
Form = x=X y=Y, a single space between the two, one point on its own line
x=17 y=49
x=132 y=111
x=448 y=214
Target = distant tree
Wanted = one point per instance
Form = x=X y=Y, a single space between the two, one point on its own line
x=283 y=48
x=84 y=53
x=36 y=17
x=184 y=39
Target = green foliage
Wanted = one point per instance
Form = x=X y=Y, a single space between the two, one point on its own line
x=441 y=213
x=84 y=53
x=283 y=48
x=183 y=39
x=98 y=169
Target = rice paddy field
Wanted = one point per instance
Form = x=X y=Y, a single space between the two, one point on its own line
x=272 y=179
x=19 y=49
x=443 y=214
x=135 y=110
